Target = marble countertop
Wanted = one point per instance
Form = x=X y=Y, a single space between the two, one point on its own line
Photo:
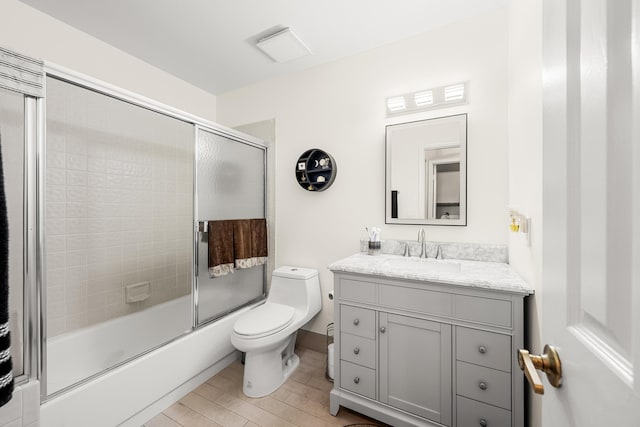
x=473 y=274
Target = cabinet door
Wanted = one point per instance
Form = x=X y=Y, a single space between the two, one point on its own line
x=415 y=366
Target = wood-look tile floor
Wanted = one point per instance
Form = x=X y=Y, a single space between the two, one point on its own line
x=301 y=401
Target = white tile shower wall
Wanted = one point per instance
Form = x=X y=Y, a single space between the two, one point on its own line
x=119 y=198
x=23 y=410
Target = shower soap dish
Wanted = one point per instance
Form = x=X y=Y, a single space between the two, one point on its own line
x=137 y=292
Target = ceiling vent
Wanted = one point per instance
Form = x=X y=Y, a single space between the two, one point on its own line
x=283 y=46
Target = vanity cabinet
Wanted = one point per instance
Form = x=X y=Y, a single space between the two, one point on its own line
x=422 y=353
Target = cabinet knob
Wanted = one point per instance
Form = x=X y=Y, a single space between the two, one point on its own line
x=356 y=321
x=382 y=329
x=483 y=422
x=482 y=349
x=482 y=385
x=356 y=380
x=356 y=350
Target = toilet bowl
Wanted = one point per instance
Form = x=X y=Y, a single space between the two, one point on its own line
x=267 y=333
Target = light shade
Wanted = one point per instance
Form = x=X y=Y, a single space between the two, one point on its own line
x=283 y=46
x=454 y=92
x=396 y=103
x=423 y=98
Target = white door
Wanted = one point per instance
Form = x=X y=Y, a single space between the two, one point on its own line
x=591 y=212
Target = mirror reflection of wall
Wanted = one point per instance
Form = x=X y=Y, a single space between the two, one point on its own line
x=442 y=173
x=426 y=172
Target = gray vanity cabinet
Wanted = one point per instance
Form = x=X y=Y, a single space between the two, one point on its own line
x=420 y=353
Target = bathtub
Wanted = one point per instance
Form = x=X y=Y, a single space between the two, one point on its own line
x=135 y=391
x=88 y=351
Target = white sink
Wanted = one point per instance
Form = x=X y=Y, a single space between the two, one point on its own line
x=423 y=265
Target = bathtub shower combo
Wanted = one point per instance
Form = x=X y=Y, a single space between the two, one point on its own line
x=109 y=257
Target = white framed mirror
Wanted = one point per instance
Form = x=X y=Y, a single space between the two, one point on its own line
x=426 y=172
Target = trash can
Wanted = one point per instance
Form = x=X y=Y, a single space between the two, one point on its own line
x=329 y=374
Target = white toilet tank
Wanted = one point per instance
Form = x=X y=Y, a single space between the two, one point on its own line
x=297 y=287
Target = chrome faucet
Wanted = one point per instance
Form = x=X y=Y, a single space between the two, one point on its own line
x=406 y=251
x=439 y=253
x=423 y=243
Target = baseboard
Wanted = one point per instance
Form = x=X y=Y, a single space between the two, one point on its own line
x=312 y=341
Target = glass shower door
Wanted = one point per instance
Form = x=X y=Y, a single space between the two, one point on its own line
x=230 y=184
x=12 y=141
x=119 y=246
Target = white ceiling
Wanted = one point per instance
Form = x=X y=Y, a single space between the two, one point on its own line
x=210 y=43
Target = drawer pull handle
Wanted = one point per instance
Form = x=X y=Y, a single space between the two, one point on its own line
x=356 y=321
x=382 y=329
x=482 y=349
x=483 y=422
x=356 y=350
x=482 y=385
x=356 y=380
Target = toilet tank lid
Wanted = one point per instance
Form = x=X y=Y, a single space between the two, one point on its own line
x=295 y=272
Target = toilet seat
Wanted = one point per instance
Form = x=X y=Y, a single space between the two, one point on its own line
x=265 y=320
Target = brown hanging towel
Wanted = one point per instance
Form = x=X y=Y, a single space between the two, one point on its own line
x=259 y=239
x=250 y=242
x=221 y=256
x=6 y=369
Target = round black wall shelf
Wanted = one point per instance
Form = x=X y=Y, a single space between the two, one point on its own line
x=316 y=170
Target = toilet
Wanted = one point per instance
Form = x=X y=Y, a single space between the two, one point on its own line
x=267 y=333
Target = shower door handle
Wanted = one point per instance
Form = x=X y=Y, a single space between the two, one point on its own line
x=202 y=227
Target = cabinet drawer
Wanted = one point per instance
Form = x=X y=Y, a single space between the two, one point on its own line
x=484 y=348
x=472 y=413
x=358 y=379
x=358 y=321
x=358 y=350
x=484 y=384
x=417 y=300
x=358 y=291
x=484 y=310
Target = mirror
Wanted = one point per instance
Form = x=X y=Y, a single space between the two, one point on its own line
x=426 y=172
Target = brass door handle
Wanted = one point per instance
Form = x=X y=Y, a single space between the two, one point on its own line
x=548 y=362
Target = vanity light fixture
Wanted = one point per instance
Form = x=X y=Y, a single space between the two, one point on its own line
x=283 y=46
x=438 y=97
